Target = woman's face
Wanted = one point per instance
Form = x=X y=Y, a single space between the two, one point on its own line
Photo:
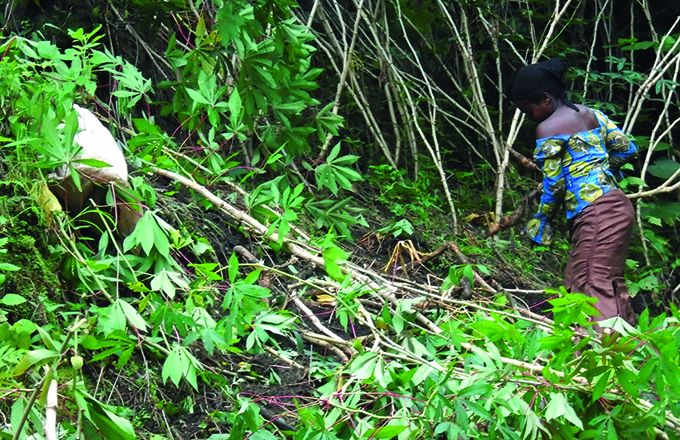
x=537 y=111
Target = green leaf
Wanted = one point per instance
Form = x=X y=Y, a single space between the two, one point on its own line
x=197 y=98
x=334 y=153
x=252 y=277
x=401 y=227
x=381 y=374
x=16 y=415
x=637 y=45
x=263 y=434
x=469 y=274
x=108 y=423
x=235 y=108
x=398 y=323
x=124 y=93
x=94 y=163
x=35 y=357
x=273 y=322
x=662 y=209
x=119 y=426
x=333 y=257
x=619 y=325
x=75 y=177
x=475 y=389
x=9 y=267
x=160 y=240
x=12 y=299
x=559 y=407
x=663 y=168
x=362 y=365
x=632 y=180
x=388 y=431
x=133 y=317
x=167 y=281
x=601 y=385
x=251 y=290
x=111 y=318
x=173 y=366
x=143 y=234
x=334 y=175
x=180 y=364
x=668 y=42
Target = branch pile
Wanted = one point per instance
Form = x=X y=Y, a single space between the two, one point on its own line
x=426 y=305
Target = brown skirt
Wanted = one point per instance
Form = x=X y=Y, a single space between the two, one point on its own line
x=597 y=260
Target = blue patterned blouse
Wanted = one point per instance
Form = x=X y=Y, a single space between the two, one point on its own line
x=577 y=169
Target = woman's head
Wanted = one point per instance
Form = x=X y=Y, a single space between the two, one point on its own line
x=537 y=86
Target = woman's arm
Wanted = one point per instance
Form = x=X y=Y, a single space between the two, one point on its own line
x=548 y=155
x=620 y=147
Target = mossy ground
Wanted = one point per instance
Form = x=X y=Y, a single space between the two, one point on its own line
x=27 y=247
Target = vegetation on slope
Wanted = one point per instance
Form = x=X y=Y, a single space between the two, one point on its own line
x=312 y=258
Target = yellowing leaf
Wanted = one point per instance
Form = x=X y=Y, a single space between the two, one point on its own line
x=48 y=201
x=325 y=299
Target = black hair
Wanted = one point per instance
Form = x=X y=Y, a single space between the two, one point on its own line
x=533 y=81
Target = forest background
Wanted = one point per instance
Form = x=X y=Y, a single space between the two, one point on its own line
x=325 y=246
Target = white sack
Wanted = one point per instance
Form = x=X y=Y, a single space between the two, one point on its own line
x=96 y=142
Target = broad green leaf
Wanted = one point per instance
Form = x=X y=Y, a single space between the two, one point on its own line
x=662 y=209
x=25 y=326
x=382 y=374
x=143 y=234
x=263 y=434
x=362 y=365
x=479 y=388
x=111 y=318
x=398 y=323
x=160 y=240
x=251 y=290
x=663 y=168
x=133 y=317
x=469 y=274
x=333 y=257
x=420 y=374
x=388 y=431
x=119 y=425
x=108 y=423
x=147 y=234
x=559 y=407
x=334 y=153
x=9 y=267
x=202 y=318
x=12 y=299
x=124 y=93
x=75 y=176
x=35 y=357
x=197 y=98
x=94 y=163
x=16 y=413
x=235 y=108
x=632 y=180
x=172 y=367
x=668 y=42
x=601 y=385
x=412 y=344
x=619 y=325
x=47 y=340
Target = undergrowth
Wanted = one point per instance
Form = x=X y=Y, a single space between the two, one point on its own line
x=222 y=316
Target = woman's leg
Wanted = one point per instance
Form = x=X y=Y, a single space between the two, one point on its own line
x=597 y=260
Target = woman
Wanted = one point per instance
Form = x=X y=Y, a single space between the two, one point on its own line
x=580 y=151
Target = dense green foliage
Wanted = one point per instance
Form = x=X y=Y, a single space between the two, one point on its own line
x=233 y=311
